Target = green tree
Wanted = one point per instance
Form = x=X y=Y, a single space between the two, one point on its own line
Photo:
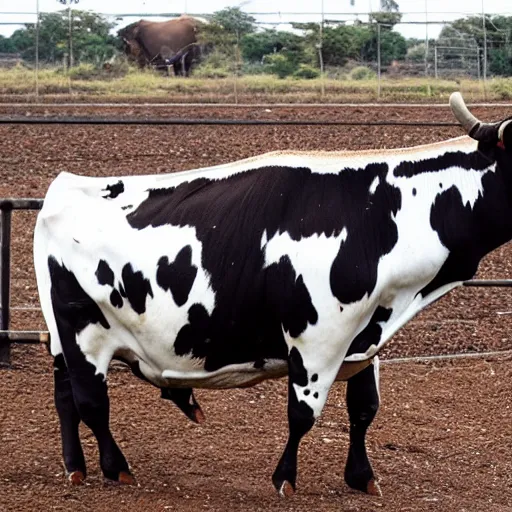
x=500 y=62
x=469 y=32
x=225 y=32
x=389 y=6
x=389 y=14
x=342 y=43
x=234 y=20
x=256 y=45
x=6 y=45
x=90 y=32
x=356 y=42
x=226 y=28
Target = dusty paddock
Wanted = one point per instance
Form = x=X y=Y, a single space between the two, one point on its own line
x=442 y=440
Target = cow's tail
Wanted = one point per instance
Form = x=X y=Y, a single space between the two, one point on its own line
x=42 y=243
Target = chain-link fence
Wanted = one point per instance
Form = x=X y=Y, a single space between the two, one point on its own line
x=66 y=51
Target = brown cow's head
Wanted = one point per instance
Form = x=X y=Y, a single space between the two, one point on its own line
x=128 y=35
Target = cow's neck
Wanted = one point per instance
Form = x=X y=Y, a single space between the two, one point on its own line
x=470 y=231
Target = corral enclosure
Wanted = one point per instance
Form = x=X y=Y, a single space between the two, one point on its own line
x=443 y=436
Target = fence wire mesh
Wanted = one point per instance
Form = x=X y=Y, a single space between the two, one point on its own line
x=330 y=54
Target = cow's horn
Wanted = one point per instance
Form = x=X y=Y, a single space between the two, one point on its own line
x=468 y=121
x=502 y=129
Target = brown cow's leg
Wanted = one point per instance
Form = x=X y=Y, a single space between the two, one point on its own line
x=362 y=404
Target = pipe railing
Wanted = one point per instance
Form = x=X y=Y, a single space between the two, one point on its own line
x=7 y=336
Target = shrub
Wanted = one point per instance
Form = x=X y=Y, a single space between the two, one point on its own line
x=305 y=71
x=118 y=66
x=84 y=71
x=278 y=64
x=215 y=65
x=416 y=53
x=502 y=88
x=361 y=73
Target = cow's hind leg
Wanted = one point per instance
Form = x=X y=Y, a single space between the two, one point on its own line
x=362 y=404
x=75 y=312
x=91 y=398
x=69 y=419
x=309 y=381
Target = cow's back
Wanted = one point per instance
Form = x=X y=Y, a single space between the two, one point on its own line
x=159 y=37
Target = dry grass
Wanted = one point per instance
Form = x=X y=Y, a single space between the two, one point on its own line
x=85 y=82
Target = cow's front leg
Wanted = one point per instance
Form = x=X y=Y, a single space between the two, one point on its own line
x=307 y=393
x=362 y=404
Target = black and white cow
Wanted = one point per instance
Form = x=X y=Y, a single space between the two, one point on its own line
x=292 y=263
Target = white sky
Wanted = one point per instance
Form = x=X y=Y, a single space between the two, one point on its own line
x=414 y=10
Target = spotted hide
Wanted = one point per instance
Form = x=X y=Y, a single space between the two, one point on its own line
x=289 y=263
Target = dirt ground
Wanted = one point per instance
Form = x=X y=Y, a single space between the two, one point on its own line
x=442 y=439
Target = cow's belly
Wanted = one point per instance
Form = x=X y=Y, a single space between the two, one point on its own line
x=230 y=376
x=159 y=363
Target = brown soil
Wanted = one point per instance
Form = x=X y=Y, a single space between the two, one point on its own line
x=442 y=439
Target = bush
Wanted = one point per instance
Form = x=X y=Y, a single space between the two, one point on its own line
x=252 y=68
x=361 y=73
x=215 y=65
x=84 y=71
x=305 y=71
x=502 y=88
x=278 y=64
x=416 y=53
x=118 y=66
x=500 y=62
x=206 y=70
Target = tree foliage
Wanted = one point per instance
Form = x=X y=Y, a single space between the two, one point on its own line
x=6 y=45
x=236 y=38
x=341 y=43
x=90 y=35
x=389 y=6
x=226 y=28
x=255 y=46
x=469 y=32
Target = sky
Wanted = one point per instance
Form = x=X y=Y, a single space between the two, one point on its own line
x=12 y=14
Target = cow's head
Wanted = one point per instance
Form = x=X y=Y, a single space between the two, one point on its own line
x=128 y=37
x=494 y=139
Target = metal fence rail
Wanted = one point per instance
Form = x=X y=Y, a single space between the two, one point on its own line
x=7 y=336
x=215 y=122
x=238 y=106
x=6 y=208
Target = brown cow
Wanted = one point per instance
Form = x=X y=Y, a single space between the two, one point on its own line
x=163 y=43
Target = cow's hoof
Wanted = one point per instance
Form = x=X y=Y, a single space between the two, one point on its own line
x=286 y=490
x=76 y=477
x=373 y=488
x=199 y=416
x=126 y=478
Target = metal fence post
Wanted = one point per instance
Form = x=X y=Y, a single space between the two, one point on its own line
x=5 y=280
x=379 y=66
x=435 y=63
